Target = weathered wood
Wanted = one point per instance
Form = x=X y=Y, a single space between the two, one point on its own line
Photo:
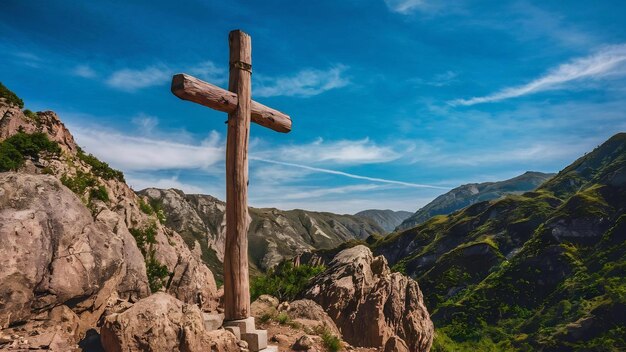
x=190 y=88
x=236 y=280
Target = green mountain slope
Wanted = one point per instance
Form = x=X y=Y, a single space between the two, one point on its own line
x=544 y=270
x=473 y=193
x=387 y=219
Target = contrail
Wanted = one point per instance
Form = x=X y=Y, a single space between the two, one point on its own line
x=341 y=173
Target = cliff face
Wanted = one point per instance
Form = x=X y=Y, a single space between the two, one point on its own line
x=74 y=239
x=273 y=235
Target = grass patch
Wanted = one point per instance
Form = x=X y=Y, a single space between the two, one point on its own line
x=331 y=342
x=157 y=272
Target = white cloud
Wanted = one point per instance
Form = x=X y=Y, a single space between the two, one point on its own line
x=344 y=152
x=309 y=193
x=84 y=71
x=306 y=83
x=404 y=6
x=608 y=61
x=146 y=123
x=136 y=153
x=209 y=72
x=131 y=80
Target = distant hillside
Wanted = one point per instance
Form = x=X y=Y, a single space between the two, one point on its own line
x=387 y=219
x=273 y=236
x=472 y=193
x=541 y=271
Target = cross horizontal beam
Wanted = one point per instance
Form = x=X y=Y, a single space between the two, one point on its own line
x=187 y=87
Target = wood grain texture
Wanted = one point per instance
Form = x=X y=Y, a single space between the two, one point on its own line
x=236 y=279
x=193 y=89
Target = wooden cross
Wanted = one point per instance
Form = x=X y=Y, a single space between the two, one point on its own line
x=241 y=110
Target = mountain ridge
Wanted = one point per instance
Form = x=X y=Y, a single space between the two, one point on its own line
x=471 y=193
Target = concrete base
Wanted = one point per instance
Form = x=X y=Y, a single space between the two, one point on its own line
x=257 y=340
x=270 y=349
x=245 y=330
x=244 y=325
x=234 y=330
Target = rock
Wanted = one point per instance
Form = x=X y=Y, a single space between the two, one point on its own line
x=52 y=251
x=280 y=338
x=263 y=305
x=303 y=343
x=162 y=323
x=396 y=344
x=310 y=315
x=371 y=305
x=212 y=321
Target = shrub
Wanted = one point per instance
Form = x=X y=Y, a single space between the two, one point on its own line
x=10 y=97
x=100 y=168
x=283 y=318
x=79 y=183
x=284 y=282
x=331 y=342
x=31 y=115
x=99 y=193
x=156 y=272
x=14 y=149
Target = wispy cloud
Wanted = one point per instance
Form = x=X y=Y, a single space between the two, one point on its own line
x=139 y=182
x=439 y=80
x=84 y=71
x=607 y=61
x=138 y=153
x=354 y=176
x=323 y=192
x=345 y=152
x=306 y=83
x=146 y=123
x=405 y=6
x=131 y=80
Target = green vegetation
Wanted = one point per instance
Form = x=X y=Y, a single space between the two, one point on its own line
x=80 y=182
x=157 y=272
x=544 y=270
x=16 y=148
x=284 y=282
x=100 y=168
x=153 y=208
x=99 y=193
x=31 y=115
x=10 y=97
x=283 y=318
x=330 y=341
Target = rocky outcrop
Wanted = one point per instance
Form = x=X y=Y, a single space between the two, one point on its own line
x=52 y=252
x=369 y=304
x=13 y=120
x=163 y=323
x=311 y=315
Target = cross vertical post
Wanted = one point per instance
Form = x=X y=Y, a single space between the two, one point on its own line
x=236 y=101
x=236 y=280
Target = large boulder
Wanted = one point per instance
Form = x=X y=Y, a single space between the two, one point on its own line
x=371 y=305
x=311 y=315
x=162 y=323
x=53 y=253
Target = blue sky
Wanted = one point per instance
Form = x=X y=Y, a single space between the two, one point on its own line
x=393 y=101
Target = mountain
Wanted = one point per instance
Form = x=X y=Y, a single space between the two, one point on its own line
x=388 y=220
x=273 y=235
x=472 y=193
x=541 y=271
